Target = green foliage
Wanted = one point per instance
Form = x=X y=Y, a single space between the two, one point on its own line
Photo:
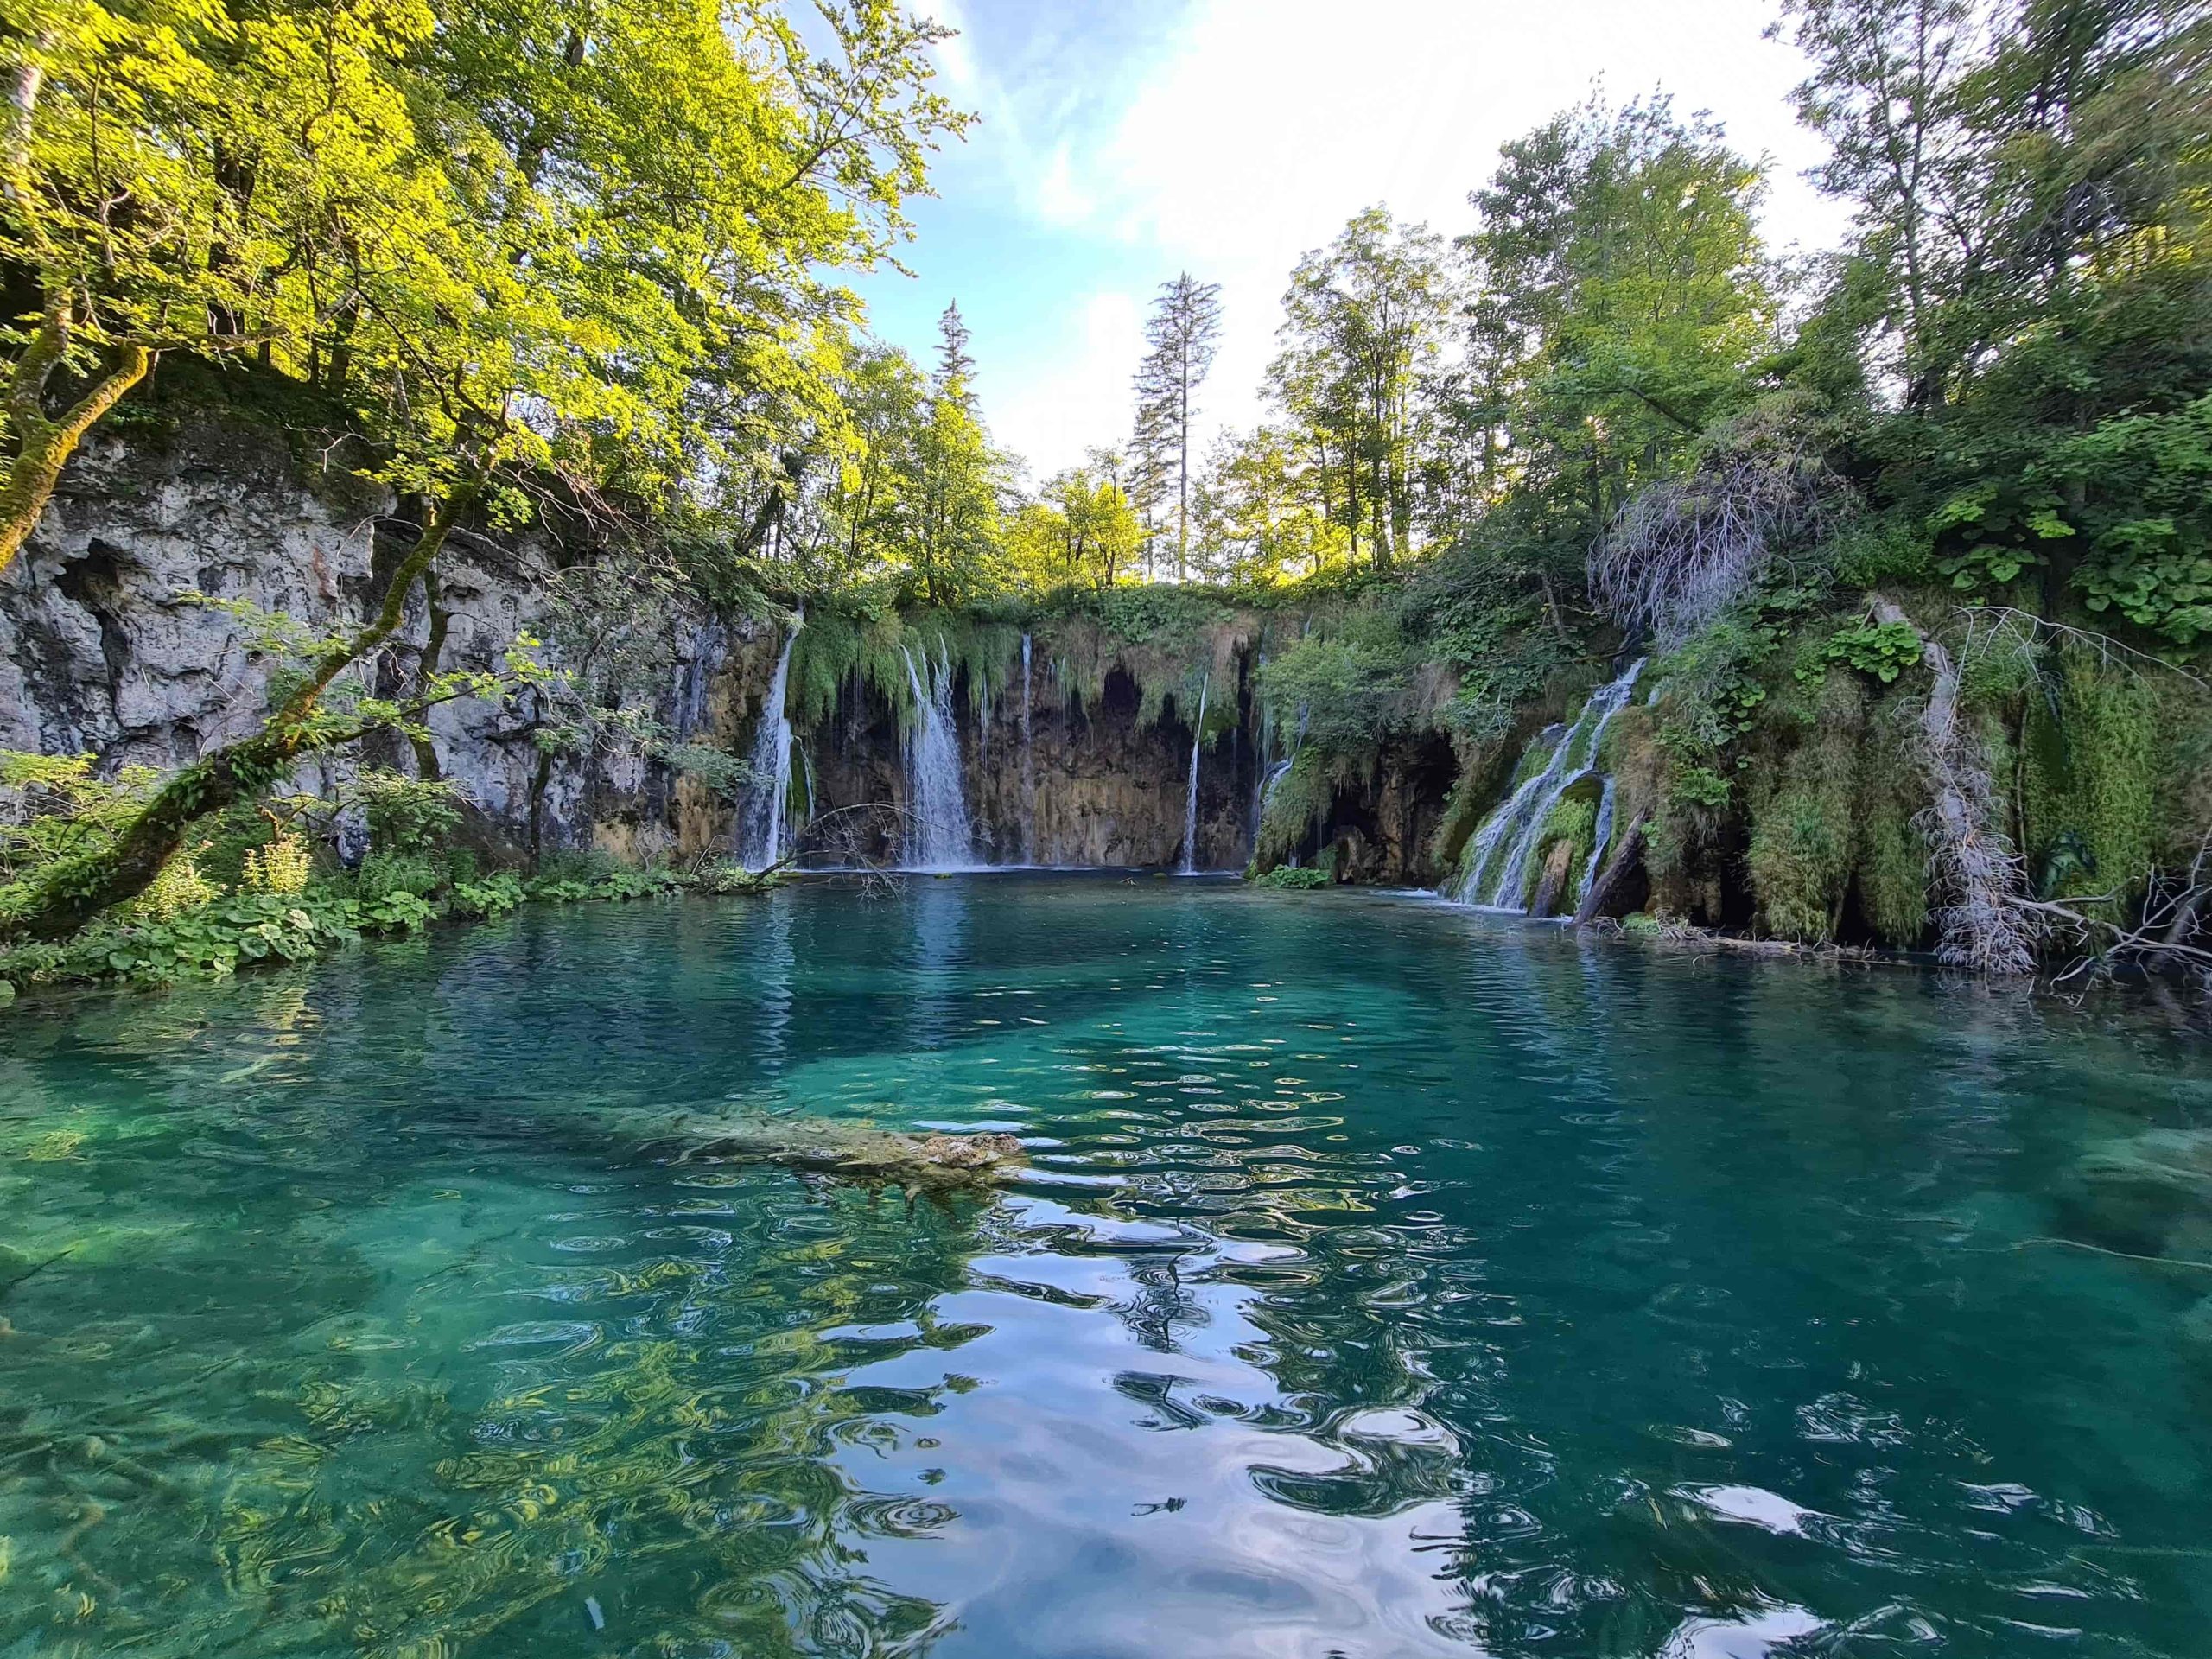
x=407 y=814
x=2090 y=765
x=1890 y=851
x=1289 y=879
x=725 y=878
x=1883 y=650
x=721 y=773
x=179 y=888
x=2149 y=526
x=492 y=896
x=60 y=810
x=1297 y=805
x=1701 y=787
x=1573 y=819
x=615 y=883
x=1350 y=689
x=384 y=873
x=214 y=938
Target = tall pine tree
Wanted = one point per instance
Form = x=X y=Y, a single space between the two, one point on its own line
x=1183 y=334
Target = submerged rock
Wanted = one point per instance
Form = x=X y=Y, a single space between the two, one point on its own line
x=2144 y=1192
x=862 y=1152
x=2197 y=1333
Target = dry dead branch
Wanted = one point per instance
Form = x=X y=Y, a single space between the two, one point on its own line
x=1684 y=550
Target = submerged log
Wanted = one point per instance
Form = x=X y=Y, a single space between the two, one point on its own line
x=860 y=1151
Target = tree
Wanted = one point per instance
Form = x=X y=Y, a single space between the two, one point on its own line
x=611 y=213
x=1263 y=508
x=866 y=501
x=2029 y=273
x=1621 y=300
x=1363 y=325
x=958 y=479
x=956 y=366
x=1081 y=530
x=176 y=177
x=1183 y=334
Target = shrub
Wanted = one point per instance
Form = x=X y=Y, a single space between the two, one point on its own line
x=1293 y=880
x=383 y=873
x=408 y=815
x=280 y=865
x=495 y=895
x=178 y=888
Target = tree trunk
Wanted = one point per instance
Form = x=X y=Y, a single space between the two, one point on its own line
x=71 y=893
x=43 y=446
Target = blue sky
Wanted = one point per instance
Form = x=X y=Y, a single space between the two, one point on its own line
x=1121 y=144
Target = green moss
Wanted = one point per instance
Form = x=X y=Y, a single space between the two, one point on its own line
x=839 y=645
x=2089 y=768
x=1891 y=852
x=1573 y=819
x=1802 y=828
x=1297 y=806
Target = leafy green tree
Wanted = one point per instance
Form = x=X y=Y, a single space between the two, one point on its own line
x=2029 y=276
x=180 y=176
x=1364 y=322
x=865 y=504
x=958 y=480
x=1621 y=301
x=1263 y=508
x=614 y=209
x=1080 y=532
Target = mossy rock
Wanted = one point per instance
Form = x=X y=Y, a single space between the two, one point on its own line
x=863 y=1153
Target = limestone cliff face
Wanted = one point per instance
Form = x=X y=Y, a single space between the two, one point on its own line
x=104 y=651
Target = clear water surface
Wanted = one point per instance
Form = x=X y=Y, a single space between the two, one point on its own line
x=1390 y=1280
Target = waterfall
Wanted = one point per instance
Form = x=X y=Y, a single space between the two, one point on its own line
x=937 y=834
x=1262 y=771
x=709 y=645
x=761 y=820
x=1495 y=868
x=1028 y=768
x=1191 y=801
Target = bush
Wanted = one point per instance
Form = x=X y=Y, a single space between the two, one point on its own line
x=212 y=939
x=408 y=815
x=1293 y=880
x=280 y=865
x=495 y=895
x=724 y=878
x=383 y=873
x=178 y=888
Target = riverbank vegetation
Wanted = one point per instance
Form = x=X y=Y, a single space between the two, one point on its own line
x=1913 y=533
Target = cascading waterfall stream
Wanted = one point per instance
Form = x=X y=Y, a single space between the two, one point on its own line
x=1028 y=768
x=762 y=841
x=709 y=645
x=1191 y=801
x=938 y=834
x=1495 y=869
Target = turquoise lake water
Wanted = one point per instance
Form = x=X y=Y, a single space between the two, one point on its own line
x=1389 y=1280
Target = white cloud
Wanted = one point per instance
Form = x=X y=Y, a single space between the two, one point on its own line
x=1051 y=419
x=1259 y=126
